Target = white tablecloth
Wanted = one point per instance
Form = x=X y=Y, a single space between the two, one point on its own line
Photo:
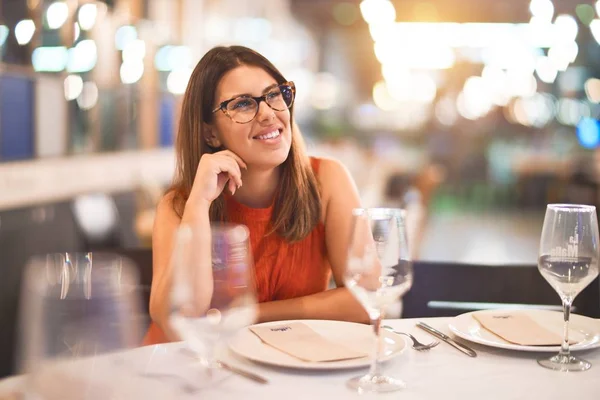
x=441 y=373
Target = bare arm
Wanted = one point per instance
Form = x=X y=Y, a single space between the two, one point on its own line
x=214 y=172
x=339 y=196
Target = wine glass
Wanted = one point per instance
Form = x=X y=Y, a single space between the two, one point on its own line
x=75 y=306
x=378 y=274
x=569 y=262
x=213 y=294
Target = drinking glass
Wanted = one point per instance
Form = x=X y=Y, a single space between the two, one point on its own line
x=213 y=294
x=378 y=274
x=75 y=306
x=568 y=260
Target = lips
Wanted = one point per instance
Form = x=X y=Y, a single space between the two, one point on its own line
x=266 y=134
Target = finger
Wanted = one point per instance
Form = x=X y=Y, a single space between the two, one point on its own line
x=232 y=187
x=234 y=170
x=237 y=158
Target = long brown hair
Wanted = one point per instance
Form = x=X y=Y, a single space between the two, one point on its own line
x=297 y=207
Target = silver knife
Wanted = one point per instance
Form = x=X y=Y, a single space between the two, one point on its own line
x=467 y=350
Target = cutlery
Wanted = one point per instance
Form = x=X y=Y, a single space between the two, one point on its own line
x=467 y=350
x=228 y=367
x=416 y=344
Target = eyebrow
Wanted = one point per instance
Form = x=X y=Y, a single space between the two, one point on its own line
x=265 y=90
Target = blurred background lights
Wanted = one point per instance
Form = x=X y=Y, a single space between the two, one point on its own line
x=592 y=90
x=131 y=71
x=566 y=28
x=134 y=50
x=543 y=9
x=87 y=16
x=178 y=79
x=598 y=8
x=57 y=14
x=546 y=70
x=377 y=11
x=570 y=111
x=588 y=133
x=82 y=57
x=595 y=28
x=49 y=59
x=325 y=91
x=125 y=35
x=3 y=34
x=382 y=97
x=73 y=86
x=345 y=13
x=585 y=13
x=24 y=31
x=76 y=32
x=88 y=97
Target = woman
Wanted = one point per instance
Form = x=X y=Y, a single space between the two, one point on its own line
x=241 y=159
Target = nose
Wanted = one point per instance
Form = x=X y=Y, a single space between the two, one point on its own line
x=264 y=113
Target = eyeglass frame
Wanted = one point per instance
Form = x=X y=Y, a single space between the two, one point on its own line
x=223 y=105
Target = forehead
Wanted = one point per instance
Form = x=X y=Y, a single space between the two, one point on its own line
x=244 y=79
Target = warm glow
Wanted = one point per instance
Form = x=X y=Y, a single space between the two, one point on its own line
x=382 y=97
x=377 y=11
x=592 y=90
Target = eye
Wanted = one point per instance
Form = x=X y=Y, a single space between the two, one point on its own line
x=241 y=104
x=274 y=94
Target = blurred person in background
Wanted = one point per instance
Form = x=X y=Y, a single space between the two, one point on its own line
x=241 y=159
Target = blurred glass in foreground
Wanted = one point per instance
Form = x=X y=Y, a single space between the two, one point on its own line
x=75 y=306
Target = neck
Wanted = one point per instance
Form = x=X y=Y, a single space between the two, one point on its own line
x=258 y=187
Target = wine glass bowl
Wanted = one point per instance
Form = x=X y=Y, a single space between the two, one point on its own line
x=213 y=294
x=568 y=261
x=378 y=273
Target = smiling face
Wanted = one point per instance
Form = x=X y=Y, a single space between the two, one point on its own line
x=265 y=141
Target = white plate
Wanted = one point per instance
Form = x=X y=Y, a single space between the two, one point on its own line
x=585 y=331
x=355 y=336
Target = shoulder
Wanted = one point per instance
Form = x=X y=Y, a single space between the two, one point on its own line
x=334 y=179
x=329 y=171
x=165 y=210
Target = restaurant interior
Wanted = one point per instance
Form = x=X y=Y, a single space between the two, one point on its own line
x=471 y=116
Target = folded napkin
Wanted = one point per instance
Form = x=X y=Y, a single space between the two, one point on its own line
x=300 y=341
x=518 y=328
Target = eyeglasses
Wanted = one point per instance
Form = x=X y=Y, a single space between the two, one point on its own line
x=243 y=109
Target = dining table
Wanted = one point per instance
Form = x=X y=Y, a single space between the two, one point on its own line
x=442 y=372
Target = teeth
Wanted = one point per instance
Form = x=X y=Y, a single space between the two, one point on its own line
x=269 y=135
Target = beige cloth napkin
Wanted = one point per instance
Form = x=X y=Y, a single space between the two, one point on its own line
x=300 y=341
x=518 y=328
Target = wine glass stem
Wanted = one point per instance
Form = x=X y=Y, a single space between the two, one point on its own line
x=376 y=323
x=564 y=348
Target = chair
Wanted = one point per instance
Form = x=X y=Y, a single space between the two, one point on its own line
x=448 y=289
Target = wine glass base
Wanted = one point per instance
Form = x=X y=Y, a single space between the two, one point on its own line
x=375 y=383
x=566 y=363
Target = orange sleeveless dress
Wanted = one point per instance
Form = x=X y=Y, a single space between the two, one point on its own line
x=282 y=270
